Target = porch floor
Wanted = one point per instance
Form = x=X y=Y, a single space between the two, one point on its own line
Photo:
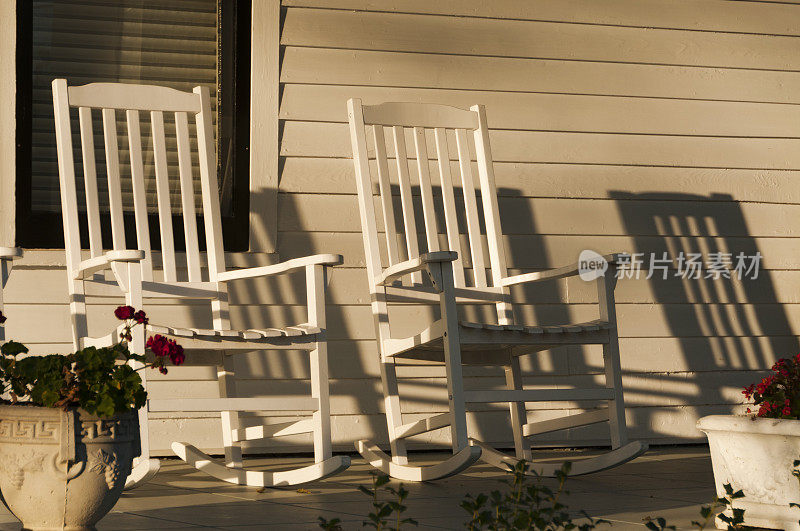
x=672 y=482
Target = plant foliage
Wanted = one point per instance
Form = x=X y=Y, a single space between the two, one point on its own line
x=93 y=379
x=525 y=504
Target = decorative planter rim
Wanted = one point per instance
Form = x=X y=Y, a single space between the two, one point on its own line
x=747 y=424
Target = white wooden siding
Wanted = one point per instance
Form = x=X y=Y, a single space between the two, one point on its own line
x=595 y=108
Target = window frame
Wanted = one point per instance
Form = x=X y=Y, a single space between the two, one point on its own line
x=36 y=229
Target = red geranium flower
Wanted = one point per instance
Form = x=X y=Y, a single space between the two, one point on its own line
x=159 y=345
x=176 y=355
x=124 y=312
x=140 y=317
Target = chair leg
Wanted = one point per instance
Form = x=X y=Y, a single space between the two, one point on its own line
x=320 y=389
x=616 y=407
x=443 y=276
x=519 y=416
x=229 y=419
x=394 y=415
x=144 y=468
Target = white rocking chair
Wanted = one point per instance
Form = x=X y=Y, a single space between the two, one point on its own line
x=133 y=275
x=7 y=256
x=448 y=340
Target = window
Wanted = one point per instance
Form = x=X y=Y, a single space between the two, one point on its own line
x=176 y=43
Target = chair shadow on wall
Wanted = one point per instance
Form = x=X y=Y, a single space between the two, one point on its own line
x=717 y=330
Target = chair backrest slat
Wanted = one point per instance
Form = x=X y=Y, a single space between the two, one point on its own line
x=139 y=197
x=426 y=190
x=208 y=183
x=464 y=217
x=112 y=174
x=449 y=204
x=471 y=209
x=406 y=199
x=369 y=230
x=66 y=175
x=491 y=210
x=162 y=195
x=187 y=196
x=385 y=188
x=90 y=182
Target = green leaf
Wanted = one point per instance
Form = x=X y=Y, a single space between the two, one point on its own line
x=12 y=348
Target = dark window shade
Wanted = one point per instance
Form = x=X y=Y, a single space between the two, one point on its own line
x=175 y=43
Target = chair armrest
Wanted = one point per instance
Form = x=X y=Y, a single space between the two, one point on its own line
x=91 y=266
x=283 y=267
x=396 y=271
x=551 y=274
x=10 y=253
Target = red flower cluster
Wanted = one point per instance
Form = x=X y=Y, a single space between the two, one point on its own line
x=125 y=313
x=163 y=347
x=2 y=318
x=778 y=395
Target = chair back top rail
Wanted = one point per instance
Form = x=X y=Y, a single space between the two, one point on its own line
x=149 y=160
x=128 y=96
x=421 y=139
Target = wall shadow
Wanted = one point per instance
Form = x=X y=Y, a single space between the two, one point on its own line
x=722 y=328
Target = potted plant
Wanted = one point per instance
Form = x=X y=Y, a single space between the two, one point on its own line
x=69 y=428
x=756 y=452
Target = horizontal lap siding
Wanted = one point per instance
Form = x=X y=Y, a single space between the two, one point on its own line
x=608 y=119
x=605 y=122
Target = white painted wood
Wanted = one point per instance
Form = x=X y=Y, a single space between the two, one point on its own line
x=409 y=218
x=88 y=267
x=459 y=462
x=430 y=116
x=563 y=423
x=90 y=181
x=275 y=403
x=143 y=471
x=449 y=204
x=283 y=267
x=265 y=22
x=538 y=395
x=387 y=206
x=501 y=343
x=580 y=467
x=518 y=414
x=424 y=425
x=133 y=271
x=7 y=257
x=187 y=196
x=112 y=175
x=254 y=478
x=413 y=265
x=162 y=195
x=316 y=283
x=208 y=184
x=471 y=210
x=281 y=429
x=139 y=198
x=426 y=190
x=132 y=97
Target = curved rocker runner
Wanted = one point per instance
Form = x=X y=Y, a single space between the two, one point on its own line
x=254 y=478
x=432 y=273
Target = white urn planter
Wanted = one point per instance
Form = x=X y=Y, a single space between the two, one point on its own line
x=757 y=457
x=63 y=470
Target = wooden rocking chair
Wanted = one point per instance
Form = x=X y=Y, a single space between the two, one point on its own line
x=449 y=340
x=7 y=256
x=133 y=274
